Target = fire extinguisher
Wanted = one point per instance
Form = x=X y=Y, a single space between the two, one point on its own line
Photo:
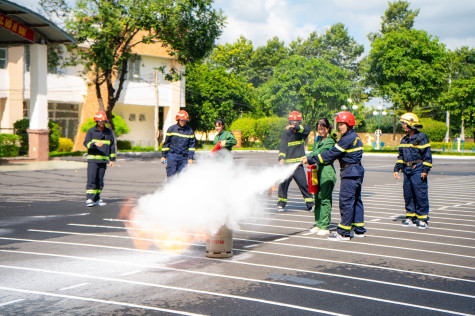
x=312 y=179
x=216 y=147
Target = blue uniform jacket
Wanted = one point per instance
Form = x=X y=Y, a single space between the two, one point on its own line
x=100 y=154
x=348 y=151
x=179 y=140
x=292 y=144
x=414 y=148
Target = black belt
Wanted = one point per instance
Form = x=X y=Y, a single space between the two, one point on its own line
x=346 y=165
x=412 y=163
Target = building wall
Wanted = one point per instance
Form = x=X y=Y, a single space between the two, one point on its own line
x=140 y=120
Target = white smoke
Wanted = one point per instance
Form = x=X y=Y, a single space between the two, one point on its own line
x=209 y=194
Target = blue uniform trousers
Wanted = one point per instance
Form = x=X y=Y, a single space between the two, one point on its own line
x=176 y=163
x=351 y=207
x=416 y=193
x=95 y=180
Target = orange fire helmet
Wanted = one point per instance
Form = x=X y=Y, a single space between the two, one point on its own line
x=182 y=115
x=100 y=116
x=295 y=116
x=346 y=117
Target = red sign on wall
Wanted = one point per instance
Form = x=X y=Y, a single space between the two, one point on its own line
x=17 y=28
x=237 y=135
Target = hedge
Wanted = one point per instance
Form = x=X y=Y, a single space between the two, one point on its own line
x=9 y=145
x=269 y=130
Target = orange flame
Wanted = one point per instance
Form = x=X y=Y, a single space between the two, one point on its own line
x=146 y=232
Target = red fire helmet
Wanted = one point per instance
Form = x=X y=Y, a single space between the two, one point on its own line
x=182 y=115
x=346 y=117
x=100 y=116
x=295 y=116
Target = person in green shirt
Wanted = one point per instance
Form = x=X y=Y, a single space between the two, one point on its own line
x=225 y=138
x=326 y=178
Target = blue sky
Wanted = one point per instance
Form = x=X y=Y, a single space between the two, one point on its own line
x=452 y=21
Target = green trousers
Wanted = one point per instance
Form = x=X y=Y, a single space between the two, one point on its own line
x=323 y=199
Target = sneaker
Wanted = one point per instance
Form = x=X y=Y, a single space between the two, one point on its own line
x=90 y=203
x=280 y=208
x=101 y=203
x=408 y=223
x=338 y=237
x=323 y=232
x=314 y=229
x=422 y=225
x=359 y=235
x=311 y=209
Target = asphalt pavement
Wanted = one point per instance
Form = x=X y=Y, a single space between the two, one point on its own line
x=58 y=257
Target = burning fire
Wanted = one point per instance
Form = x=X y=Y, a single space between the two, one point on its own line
x=146 y=231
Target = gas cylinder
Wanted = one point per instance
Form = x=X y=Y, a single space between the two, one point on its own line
x=312 y=179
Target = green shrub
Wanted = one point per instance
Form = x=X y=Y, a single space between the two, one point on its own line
x=9 y=145
x=450 y=146
x=434 y=130
x=21 y=127
x=54 y=135
x=65 y=145
x=269 y=130
x=124 y=145
x=68 y=154
x=119 y=124
x=247 y=126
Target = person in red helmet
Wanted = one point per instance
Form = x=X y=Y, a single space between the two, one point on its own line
x=178 y=150
x=100 y=146
x=291 y=150
x=349 y=152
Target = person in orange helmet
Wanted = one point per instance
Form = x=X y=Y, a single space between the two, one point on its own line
x=178 y=150
x=291 y=150
x=100 y=144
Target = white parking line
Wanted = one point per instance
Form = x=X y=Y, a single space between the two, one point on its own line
x=73 y=286
x=95 y=300
x=12 y=302
x=236 y=296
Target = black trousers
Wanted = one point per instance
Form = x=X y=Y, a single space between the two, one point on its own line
x=301 y=179
x=95 y=180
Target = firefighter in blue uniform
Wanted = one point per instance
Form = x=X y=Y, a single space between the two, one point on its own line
x=178 y=149
x=100 y=146
x=291 y=150
x=349 y=152
x=415 y=161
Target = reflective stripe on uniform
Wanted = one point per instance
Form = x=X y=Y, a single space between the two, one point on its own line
x=410 y=214
x=282 y=154
x=112 y=156
x=293 y=160
x=308 y=200
x=165 y=149
x=427 y=164
x=320 y=158
x=297 y=142
x=180 y=135
x=400 y=161
x=344 y=227
x=282 y=199
x=415 y=146
x=98 y=157
x=191 y=149
x=358 y=224
x=104 y=141
x=348 y=150
x=92 y=191
x=421 y=216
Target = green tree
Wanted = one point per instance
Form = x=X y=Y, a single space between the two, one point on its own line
x=459 y=98
x=408 y=68
x=396 y=18
x=314 y=87
x=214 y=93
x=233 y=57
x=111 y=28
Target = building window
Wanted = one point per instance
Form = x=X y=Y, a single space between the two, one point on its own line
x=67 y=117
x=3 y=58
x=135 y=64
x=27 y=58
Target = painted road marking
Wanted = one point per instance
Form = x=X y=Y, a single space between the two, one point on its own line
x=245 y=263
x=131 y=272
x=12 y=302
x=95 y=300
x=73 y=286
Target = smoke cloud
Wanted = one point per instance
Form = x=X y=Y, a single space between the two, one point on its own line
x=209 y=194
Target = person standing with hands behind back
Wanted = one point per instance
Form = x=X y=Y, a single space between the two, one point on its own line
x=100 y=146
x=178 y=149
x=326 y=178
x=415 y=160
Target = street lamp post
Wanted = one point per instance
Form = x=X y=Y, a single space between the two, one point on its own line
x=378 y=132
